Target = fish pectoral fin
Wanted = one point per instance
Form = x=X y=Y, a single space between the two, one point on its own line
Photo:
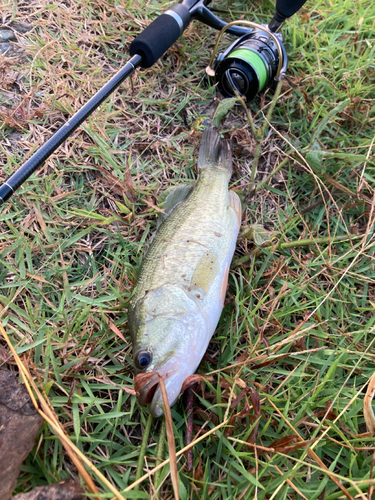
x=206 y=271
x=235 y=204
x=171 y=198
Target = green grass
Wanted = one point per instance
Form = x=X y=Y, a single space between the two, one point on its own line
x=71 y=242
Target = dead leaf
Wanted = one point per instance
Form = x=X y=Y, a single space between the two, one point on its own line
x=299 y=345
x=239 y=398
x=284 y=445
x=254 y=433
x=207 y=416
x=115 y=185
x=68 y=489
x=19 y=425
x=5 y=357
x=270 y=361
x=115 y=330
x=256 y=233
x=327 y=414
x=195 y=378
x=198 y=472
x=367 y=407
x=285 y=441
x=38 y=278
x=7 y=75
x=255 y=401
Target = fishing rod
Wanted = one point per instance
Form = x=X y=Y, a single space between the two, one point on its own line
x=251 y=64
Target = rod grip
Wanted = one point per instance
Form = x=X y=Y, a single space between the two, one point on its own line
x=160 y=35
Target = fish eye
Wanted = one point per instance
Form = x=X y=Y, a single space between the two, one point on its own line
x=143 y=360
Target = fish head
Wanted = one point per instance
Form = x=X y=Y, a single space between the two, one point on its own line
x=170 y=340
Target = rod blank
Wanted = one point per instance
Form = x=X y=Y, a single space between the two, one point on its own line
x=40 y=156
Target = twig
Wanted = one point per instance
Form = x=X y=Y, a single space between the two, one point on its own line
x=298 y=243
x=189 y=426
x=272 y=106
x=241 y=100
x=259 y=136
x=170 y=438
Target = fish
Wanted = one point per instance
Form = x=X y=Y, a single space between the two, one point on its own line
x=182 y=281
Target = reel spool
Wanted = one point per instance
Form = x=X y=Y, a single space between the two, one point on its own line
x=251 y=64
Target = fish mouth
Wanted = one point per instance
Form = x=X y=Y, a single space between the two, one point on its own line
x=148 y=389
x=150 y=393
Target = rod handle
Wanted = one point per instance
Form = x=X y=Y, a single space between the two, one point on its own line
x=160 y=35
x=287 y=8
x=284 y=9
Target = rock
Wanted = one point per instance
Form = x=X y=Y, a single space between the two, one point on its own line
x=13 y=50
x=21 y=27
x=6 y=35
x=14 y=137
x=4 y=47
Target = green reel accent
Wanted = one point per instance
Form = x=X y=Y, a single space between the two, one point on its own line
x=254 y=60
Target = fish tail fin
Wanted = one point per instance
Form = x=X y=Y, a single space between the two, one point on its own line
x=214 y=152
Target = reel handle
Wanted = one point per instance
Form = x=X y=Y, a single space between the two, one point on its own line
x=160 y=35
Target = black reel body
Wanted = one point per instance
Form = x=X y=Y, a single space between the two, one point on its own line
x=250 y=65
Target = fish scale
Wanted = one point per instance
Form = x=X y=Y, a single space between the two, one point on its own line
x=187 y=234
x=182 y=281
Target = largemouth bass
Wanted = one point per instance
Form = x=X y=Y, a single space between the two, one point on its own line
x=182 y=281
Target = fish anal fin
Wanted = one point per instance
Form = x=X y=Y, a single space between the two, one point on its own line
x=235 y=204
x=206 y=271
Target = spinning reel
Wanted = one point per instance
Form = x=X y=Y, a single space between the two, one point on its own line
x=257 y=59
x=251 y=64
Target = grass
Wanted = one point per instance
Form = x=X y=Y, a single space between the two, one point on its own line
x=297 y=330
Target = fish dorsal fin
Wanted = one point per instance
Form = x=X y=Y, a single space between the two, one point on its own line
x=204 y=274
x=171 y=198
